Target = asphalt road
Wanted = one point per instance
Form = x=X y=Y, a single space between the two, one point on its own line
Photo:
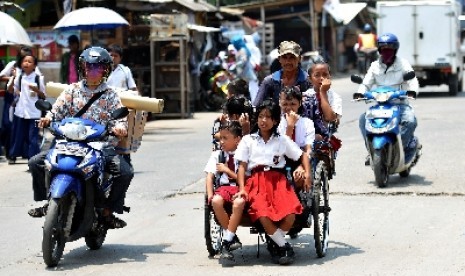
x=415 y=226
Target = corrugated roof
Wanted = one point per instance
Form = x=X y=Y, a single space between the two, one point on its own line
x=194 y=5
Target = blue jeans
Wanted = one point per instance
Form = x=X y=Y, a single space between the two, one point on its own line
x=408 y=124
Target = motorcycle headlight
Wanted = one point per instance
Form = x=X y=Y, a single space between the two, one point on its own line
x=74 y=131
x=382 y=97
x=376 y=130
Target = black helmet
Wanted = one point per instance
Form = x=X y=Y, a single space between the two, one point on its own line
x=94 y=55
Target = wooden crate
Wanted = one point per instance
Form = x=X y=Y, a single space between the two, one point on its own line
x=167 y=25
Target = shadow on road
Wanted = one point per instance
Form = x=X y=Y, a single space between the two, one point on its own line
x=110 y=254
x=304 y=249
x=395 y=181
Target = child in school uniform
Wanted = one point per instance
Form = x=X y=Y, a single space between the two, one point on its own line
x=272 y=200
x=300 y=129
x=28 y=88
x=222 y=187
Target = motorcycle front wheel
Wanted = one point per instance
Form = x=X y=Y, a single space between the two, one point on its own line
x=380 y=167
x=53 y=242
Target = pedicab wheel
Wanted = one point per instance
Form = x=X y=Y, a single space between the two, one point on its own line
x=53 y=242
x=321 y=209
x=380 y=167
x=212 y=231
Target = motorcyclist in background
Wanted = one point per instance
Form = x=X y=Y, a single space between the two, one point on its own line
x=389 y=70
x=367 y=42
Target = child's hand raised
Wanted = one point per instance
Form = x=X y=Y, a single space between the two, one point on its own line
x=292 y=118
x=325 y=85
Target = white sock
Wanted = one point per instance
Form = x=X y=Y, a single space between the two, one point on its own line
x=278 y=238
x=283 y=232
x=228 y=235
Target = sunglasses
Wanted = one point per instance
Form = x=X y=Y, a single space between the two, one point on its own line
x=95 y=67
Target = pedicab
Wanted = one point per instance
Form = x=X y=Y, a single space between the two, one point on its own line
x=315 y=203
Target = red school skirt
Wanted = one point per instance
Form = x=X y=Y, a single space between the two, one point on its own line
x=271 y=196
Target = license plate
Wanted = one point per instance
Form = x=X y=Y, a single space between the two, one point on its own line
x=380 y=113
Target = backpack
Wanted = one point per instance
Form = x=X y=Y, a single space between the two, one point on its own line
x=221 y=159
x=36 y=79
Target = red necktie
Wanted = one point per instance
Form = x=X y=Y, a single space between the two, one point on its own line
x=293 y=135
x=231 y=165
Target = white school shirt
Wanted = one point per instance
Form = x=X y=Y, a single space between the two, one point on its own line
x=211 y=166
x=335 y=101
x=25 y=107
x=121 y=77
x=304 y=130
x=253 y=150
x=6 y=72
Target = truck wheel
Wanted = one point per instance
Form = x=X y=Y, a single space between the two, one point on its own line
x=453 y=84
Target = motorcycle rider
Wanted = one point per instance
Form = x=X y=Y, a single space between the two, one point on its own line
x=367 y=43
x=94 y=68
x=389 y=70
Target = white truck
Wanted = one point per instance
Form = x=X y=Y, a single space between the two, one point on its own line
x=429 y=36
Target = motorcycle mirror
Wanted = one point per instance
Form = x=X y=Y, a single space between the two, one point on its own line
x=120 y=113
x=412 y=94
x=43 y=105
x=357 y=96
x=356 y=79
x=409 y=75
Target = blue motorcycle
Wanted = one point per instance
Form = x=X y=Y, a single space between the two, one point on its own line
x=383 y=139
x=78 y=184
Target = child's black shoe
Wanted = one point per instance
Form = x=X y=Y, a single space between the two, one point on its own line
x=286 y=254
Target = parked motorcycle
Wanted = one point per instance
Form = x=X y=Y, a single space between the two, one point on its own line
x=382 y=125
x=78 y=184
x=214 y=81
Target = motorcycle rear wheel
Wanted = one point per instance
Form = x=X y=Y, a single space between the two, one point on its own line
x=95 y=238
x=380 y=167
x=53 y=242
x=405 y=173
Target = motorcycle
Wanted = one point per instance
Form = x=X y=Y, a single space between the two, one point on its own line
x=78 y=184
x=382 y=126
x=214 y=81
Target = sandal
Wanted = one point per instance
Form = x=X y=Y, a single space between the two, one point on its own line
x=113 y=222
x=38 y=212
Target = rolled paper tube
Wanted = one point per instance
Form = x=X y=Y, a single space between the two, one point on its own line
x=54 y=89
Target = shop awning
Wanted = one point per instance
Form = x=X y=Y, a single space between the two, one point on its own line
x=343 y=13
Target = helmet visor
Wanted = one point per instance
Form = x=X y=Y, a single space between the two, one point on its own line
x=385 y=45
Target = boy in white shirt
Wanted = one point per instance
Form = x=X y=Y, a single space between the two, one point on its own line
x=222 y=188
x=121 y=76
